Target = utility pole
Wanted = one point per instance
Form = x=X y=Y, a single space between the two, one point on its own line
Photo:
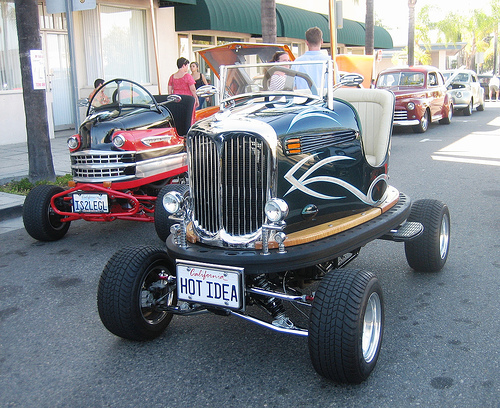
x=411 y=32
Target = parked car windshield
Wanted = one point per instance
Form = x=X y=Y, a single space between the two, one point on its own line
x=275 y=78
x=461 y=77
x=401 y=79
x=121 y=92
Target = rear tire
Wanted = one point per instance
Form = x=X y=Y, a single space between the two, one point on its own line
x=429 y=251
x=40 y=220
x=133 y=280
x=162 y=222
x=346 y=325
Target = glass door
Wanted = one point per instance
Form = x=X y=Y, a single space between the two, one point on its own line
x=59 y=80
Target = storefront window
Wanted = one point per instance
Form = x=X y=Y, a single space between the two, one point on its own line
x=124 y=43
x=184 y=46
x=225 y=40
x=55 y=21
x=10 y=70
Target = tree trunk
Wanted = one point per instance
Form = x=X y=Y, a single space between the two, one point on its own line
x=369 y=28
x=411 y=32
x=41 y=166
x=268 y=21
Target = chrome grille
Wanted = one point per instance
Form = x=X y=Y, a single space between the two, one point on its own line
x=312 y=143
x=230 y=180
x=96 y=166
x=400 y=115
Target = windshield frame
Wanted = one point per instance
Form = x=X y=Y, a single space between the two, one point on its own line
x=325 y=89
x=115 y=85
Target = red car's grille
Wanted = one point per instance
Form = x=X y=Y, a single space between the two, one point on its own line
x=400 y=115
x=95 y=166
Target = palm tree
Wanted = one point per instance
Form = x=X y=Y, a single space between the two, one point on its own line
x=41 y=166
x=369 y=28
x=411 y=32
x=268 y=20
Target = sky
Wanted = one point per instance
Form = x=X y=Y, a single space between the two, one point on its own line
x=393 y=13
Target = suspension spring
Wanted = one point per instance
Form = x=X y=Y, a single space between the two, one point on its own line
x=272 y=304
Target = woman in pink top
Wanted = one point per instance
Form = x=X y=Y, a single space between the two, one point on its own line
x=182 y=83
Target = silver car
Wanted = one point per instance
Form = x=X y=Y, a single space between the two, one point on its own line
x=465 y=90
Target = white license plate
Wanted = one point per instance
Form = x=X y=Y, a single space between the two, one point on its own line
x=90 y=203
x=210 y=284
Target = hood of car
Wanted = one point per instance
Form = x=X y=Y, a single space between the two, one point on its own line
x=404 y=92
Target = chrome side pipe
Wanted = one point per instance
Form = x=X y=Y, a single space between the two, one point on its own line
x=296 y=330
x=291 y=298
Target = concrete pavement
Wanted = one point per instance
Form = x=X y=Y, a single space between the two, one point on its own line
x=14 y=165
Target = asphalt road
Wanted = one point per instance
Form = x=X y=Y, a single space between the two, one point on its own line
x=441 y=342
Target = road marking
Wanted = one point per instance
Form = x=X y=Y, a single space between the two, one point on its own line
x=430 y=140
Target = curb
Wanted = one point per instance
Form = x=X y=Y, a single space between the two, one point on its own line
x=11 y=206
x=8 y=213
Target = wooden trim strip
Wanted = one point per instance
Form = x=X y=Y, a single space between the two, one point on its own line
x=326 y=229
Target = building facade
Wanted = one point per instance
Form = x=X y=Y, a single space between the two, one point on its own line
x=141 y=40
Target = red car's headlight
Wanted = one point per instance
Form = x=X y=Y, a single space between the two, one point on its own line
x=74 y=142
x=119 y=140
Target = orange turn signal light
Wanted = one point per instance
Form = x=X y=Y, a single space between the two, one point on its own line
x=293 y=146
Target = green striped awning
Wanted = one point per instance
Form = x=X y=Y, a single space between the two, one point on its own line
x=243 y=16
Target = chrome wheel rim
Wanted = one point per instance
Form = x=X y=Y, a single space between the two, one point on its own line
x=444 y=237
x=425 y=121
x=372 y=327
x=153 y=289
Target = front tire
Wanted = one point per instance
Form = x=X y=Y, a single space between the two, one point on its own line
x=39 y=219
x=346 y=325
x=447 y=119
x=429 y=251
x=468 y=110
x=133 y=284
x=423 y=124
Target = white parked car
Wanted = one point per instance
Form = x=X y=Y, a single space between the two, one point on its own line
x=465 y=89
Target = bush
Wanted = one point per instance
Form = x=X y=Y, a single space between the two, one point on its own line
x=23 y=186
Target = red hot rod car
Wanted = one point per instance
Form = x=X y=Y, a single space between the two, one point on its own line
x=125 y=152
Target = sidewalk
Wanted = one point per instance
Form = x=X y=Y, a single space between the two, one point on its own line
x=14 y=166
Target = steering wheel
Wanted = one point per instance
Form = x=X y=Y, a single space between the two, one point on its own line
x=290 y=73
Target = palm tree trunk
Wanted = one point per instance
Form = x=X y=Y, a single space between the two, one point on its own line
x=41 y=166
x=268 y=20
x=411 y=32
x=369 y=28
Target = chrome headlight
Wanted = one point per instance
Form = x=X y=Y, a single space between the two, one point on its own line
x=172 y=202
x=73 y=142
x=276 y=209
x=410 y=106
x=119 y=140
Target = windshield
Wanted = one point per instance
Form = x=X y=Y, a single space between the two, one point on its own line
x=119 y=92
x=401 y=79
x=276 y=78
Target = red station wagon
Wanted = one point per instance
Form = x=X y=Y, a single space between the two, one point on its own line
x=421 y=96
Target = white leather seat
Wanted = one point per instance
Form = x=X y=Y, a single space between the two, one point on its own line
x=376 y=111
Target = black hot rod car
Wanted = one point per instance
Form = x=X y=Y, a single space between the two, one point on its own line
x=126 y=150
x=285 y=187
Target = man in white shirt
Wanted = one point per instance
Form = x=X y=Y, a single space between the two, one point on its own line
x=314 y=40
